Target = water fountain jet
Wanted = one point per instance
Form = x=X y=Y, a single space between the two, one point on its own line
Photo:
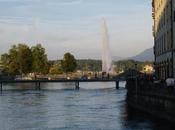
x=107 y=66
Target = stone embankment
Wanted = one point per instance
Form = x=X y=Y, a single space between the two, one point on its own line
x=153 y=98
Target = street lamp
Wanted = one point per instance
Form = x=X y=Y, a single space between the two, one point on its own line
x=135 y=66
x=136 y=81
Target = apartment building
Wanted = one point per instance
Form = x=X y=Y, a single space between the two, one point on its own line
x=164 y=37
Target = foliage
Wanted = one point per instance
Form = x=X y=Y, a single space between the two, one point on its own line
x=89 y=65
x=13 y=67
x=18 y=60
x=55 y=69
x=5 y=62
x=120 y=66
x=22 y=59
x=40 y=62
x=123 y=65
x=68 y=63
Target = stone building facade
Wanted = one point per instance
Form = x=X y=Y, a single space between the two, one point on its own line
x=164 y=37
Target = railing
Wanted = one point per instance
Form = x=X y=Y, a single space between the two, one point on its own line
x=148 y=87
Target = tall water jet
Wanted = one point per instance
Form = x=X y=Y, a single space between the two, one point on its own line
x=107 y=66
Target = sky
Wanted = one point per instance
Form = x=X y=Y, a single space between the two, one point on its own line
x=75 y=26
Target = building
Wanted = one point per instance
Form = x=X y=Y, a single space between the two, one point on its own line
x=164 y=37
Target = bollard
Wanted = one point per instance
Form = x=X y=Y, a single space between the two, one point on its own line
x=1 y=87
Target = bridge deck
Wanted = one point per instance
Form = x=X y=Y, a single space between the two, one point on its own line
x=76 y=81
x=61 y=80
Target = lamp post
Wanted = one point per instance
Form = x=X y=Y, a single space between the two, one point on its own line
x=136 y=81
x=135 y=66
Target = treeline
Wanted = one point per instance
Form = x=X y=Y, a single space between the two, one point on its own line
x=89 y=65
x=119 y=66
x=21 y=59
x=123 y=65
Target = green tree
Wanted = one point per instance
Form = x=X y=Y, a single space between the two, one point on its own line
x=40 y=62
x=24 y=59
x=14 y=62
x=68 y=63
x=5 y=60
x=10 y=61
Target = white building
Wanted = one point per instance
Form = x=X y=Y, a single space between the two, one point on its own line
x=164 y=37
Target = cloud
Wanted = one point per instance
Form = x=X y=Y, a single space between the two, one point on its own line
x=74 y=25
x=15 y=2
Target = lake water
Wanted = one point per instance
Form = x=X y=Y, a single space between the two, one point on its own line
x=96 y=106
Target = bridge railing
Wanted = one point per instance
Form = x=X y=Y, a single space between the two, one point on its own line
x=147 y=86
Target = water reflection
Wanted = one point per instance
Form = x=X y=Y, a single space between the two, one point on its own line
x=59 y=86
x=86 y=109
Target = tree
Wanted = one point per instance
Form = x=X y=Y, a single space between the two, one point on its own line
x=5 y=62
x=40 y=62
x=24 y=58
x=18 y=60
x=10 y=61
x=14 y=63
x=68 y=63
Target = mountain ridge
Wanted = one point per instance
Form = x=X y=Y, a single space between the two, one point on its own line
x=146 y=55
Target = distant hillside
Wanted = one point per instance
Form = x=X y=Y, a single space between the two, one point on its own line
x=116 y=58
x=147 y=55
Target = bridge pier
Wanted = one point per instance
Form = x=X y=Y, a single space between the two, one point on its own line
x=38 y=85
x=1 y=87
x=35 y=85
x=77 y=85
x=117 y=84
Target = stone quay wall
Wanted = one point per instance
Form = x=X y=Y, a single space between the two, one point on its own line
x=153 y=98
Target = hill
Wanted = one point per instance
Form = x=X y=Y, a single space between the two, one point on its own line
x=146 y=55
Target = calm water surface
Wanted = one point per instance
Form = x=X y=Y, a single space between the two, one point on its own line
x=96 y=106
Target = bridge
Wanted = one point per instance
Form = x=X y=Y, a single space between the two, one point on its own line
x=76 y=81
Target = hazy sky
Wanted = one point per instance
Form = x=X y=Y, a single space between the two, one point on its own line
x=75 y=26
